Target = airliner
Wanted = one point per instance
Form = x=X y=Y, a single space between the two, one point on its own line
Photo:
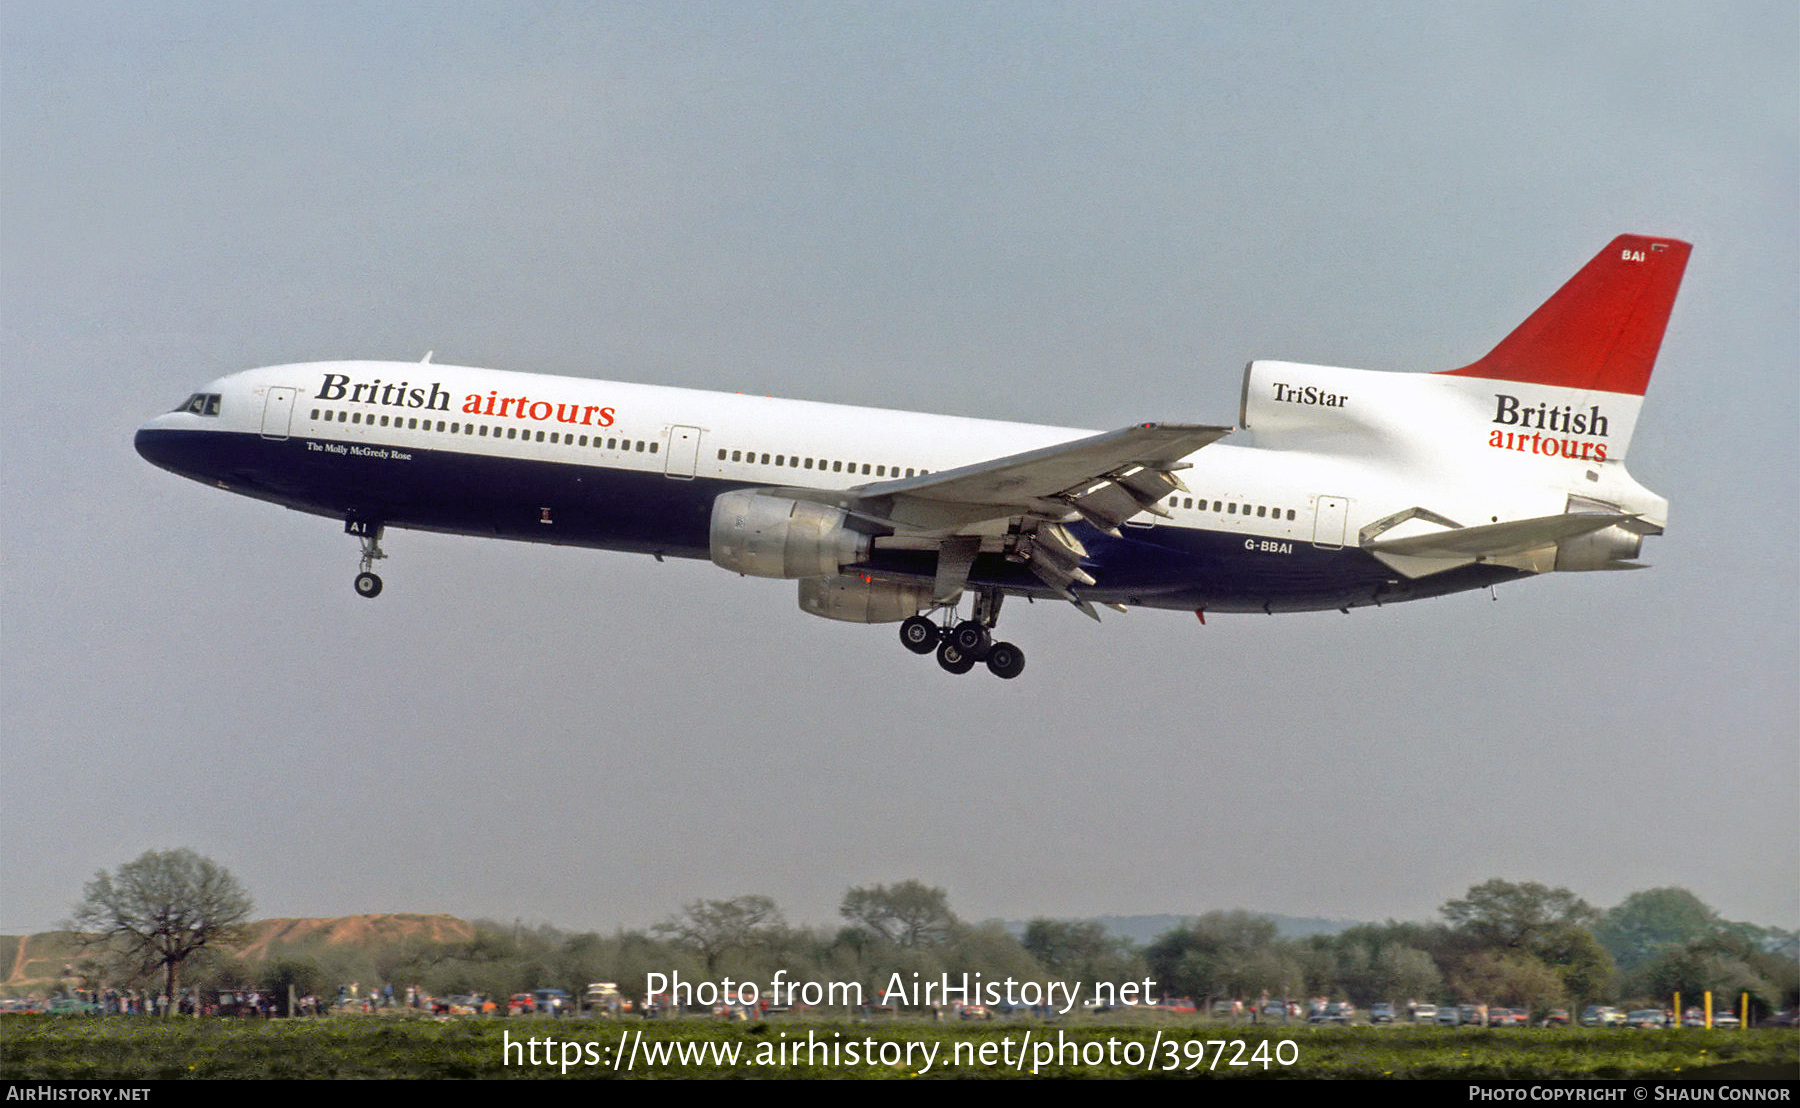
x=1357 y=487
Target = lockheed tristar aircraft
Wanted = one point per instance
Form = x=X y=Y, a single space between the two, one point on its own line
x=1359 y=487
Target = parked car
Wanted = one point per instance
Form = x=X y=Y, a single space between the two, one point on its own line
x=1598 y=1015
x=1647 y=1019
x=1424 y=1013
x=1556 y=1017
x=69 y=1006
x=1381 y=1012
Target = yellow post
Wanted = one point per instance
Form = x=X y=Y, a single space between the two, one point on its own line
x=1709 y=1009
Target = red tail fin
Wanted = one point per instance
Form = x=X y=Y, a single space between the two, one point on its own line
x=1602 y=329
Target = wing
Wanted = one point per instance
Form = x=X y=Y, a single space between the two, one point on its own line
x=1021 y=504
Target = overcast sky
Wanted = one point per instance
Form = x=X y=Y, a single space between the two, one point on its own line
x=1076 y=214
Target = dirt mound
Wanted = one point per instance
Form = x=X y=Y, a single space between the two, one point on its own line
x=37 y=961
x=370 y=930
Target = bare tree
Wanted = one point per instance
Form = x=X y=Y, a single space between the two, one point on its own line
x=910 y=913
x=715 y=928
x=162 y=909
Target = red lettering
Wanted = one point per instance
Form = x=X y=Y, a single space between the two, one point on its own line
x=535 y=414
x=505 y=403
x=473 y=406
x=606 y=417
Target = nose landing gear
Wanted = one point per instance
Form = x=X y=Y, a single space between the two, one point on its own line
x=368 y=583
x=959 y=645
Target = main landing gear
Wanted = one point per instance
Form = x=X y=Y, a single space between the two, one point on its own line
x=368 y=583
x=959 y=646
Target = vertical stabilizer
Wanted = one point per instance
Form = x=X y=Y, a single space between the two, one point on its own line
x=1601 y=331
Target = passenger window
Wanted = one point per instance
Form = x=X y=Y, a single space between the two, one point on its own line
x=909 y=471
x=1290 y=513
x=1261 y=511
x=512 y=432
x=315 y=414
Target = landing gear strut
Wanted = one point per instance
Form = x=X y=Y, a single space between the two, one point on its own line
x=959 y=645
x=368 y=583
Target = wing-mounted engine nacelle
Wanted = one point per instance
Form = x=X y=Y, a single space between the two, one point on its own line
x=1608 y=548
x=761 y=535
x=857 y=599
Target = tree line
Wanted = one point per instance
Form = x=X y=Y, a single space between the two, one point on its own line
x=1504 y=943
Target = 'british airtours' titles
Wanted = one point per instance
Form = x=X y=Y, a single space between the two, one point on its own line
x=339 y=386
x=1509 y=412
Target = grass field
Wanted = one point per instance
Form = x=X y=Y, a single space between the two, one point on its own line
x=50 y=1047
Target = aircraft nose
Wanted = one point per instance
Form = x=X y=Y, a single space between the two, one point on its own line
x=152 y=446
x=165 y=448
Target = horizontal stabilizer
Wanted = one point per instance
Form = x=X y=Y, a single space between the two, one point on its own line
x=1499 y=540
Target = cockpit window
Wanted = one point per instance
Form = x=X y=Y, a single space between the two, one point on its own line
x=200 y=403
